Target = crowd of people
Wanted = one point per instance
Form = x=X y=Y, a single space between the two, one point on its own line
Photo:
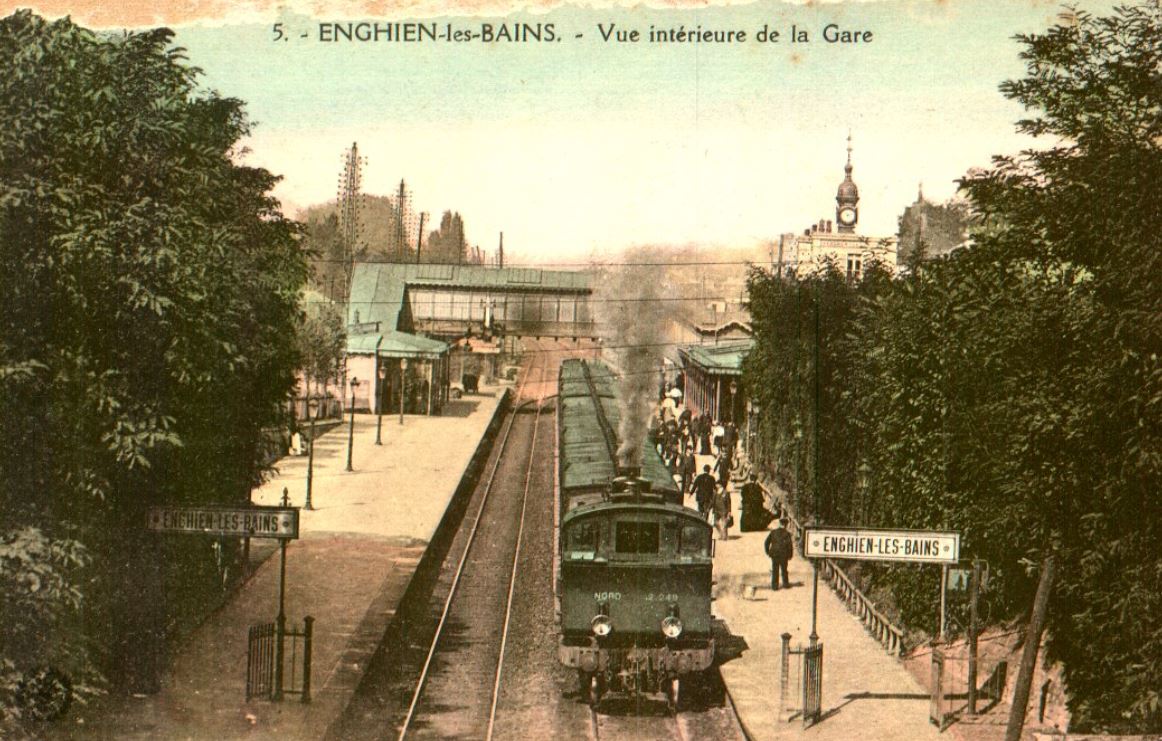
x=681 y=436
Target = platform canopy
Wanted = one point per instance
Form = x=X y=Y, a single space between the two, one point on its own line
x=723 y=359
x=396 y=345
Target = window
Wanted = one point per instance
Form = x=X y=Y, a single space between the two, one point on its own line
x=568 y=309
x=694 y=541
x=637 y=537
x=583 y=538
x=854 y=266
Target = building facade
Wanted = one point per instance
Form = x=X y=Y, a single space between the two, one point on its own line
x=838 y=243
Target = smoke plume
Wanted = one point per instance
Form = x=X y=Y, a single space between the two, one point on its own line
x=633 y=323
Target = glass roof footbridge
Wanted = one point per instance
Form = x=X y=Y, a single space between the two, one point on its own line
x=449 y=302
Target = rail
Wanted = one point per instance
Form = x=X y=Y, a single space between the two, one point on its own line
x=890 y=636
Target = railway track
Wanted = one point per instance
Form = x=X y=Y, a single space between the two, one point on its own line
x=478 y=659
x=460 y=684
x=630 y=721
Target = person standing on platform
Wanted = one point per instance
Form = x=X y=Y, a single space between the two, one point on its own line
x=729 y=439
x=780 y=548
x=704 y=434
x=754 y=514
x=687 y=470
x=722 y=514
x=722 y=469
x=704 y=492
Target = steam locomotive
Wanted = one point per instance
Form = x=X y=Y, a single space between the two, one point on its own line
x=634 y=574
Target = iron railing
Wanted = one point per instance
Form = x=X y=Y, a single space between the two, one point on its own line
x=890 y=636
x=260 y=661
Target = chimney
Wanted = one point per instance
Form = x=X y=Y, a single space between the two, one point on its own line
x=829 y=226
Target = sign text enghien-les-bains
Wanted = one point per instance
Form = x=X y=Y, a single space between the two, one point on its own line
x=915 y=546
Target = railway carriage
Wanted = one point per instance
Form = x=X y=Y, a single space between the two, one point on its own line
x=635 y=566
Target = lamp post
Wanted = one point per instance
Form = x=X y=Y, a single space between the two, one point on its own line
x=733 y=391
x=351 y=428
x=751 y=411
x=403 y=385
x=382 y=373
x=312 y=411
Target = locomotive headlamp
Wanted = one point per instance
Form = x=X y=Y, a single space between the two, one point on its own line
x=672 y=626
x=602 y=625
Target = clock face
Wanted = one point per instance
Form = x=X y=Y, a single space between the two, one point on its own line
x=847 y=215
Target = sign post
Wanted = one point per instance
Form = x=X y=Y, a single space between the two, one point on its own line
x=280 y=522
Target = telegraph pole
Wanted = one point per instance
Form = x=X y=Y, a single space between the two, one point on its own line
x=400 y=206
x=815 y=483
x=420 y=236
x=350 y=199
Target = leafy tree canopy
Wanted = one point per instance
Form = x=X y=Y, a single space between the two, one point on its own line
x=150 y=291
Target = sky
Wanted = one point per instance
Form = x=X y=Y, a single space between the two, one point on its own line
x=582 y=146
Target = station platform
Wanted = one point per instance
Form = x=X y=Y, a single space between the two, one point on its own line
x=357 y=552
x=867 y=694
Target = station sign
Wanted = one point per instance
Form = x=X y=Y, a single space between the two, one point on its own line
x=241 y=522
x=912 y=546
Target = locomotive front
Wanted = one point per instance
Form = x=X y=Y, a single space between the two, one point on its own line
x=635 y=602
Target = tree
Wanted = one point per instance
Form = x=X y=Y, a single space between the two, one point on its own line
x=1088 y=205
x=447 y=244
x=150 y=289
x=1011 y=391
x=322 y=342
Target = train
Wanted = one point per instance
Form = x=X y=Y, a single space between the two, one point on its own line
x=634 y=566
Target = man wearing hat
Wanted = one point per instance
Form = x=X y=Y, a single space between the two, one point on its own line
x=704 y=486
x=780 y=548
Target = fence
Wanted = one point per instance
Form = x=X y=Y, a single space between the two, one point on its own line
x=888 y=634
x=950 y=687
x=266 y=676
x=801 y=692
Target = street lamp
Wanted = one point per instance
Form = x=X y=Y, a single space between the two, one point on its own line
x=351 y=428
x=733 y=391
x=751 y=413
x=403 y=385
x=312 y=412
x=382 y=372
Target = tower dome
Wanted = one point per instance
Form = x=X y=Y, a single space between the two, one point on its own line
x=848 y=192
x=847 y=198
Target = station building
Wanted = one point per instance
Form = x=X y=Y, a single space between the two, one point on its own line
x=412 y=329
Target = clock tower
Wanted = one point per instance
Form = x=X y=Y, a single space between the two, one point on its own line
x=847 y=198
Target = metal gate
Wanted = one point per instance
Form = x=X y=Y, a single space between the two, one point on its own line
x=812 y=684
x=806 y=677
x=300 y=656
x=938 y=708
x=260 y=661
x=267 y=659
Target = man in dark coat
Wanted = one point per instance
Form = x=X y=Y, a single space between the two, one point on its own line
x=722 y=468
x=780 y=547
x=755 y=515
x=704 y=486
x=687 y=469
